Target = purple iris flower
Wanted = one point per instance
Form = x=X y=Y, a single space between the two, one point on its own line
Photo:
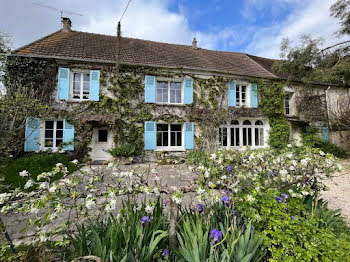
x=285 y=195
x=292 y=217
x=251 y=229
x=280 y=199
x=145 y=220
x=229 y=168
x=274 y=172
x=166 y=202
x=235 y=213
x=200 y=208
x=216 y=235
x=226 y=200
x=165 y=253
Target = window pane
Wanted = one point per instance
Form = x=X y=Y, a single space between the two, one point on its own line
x=48 y=124
x=257 y=137
x=159 y=138
x=249 y=136
x=224 y=136
x=162 y=127
x=234 y=122
x=175 y=92
x=247 y=122
x=179 y=139
x=244 y=136
x=48 y=133
x=162 y=92
x=58 y=142
x=165 y=138
x=175 y=127
x=86 y=88
x=233 y=142
x=59 y=134
x=102 y=135
x=243 y=94
x=259 y=123
x=237 y=137
x=261 y=135
x=86 y=78
x=238 y=88
x=59 y=125
x=48 y=142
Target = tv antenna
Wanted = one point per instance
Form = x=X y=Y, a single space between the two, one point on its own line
x=57 y=9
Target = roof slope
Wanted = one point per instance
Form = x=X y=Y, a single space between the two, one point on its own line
x=88 y=46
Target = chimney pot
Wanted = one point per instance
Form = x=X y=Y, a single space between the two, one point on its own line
x=66 y=24
x=194 y=43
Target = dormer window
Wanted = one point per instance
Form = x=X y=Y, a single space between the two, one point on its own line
x=81 y=86
x=241 y=95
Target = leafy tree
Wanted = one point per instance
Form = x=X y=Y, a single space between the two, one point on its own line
x=341 y=10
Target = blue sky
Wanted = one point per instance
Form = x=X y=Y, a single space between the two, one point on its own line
x=252 y=26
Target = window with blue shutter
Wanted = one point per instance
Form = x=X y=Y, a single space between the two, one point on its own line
x=189 y=135
x=150 y=135
x=150 y=89
x=188 y=91
x=68 y=136
x=325 y=133
x=32 y=134
x=253 y=96
x=232 y=93
x=94 y=85
x=63 y=84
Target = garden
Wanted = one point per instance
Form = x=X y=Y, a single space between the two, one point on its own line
x=249 y=205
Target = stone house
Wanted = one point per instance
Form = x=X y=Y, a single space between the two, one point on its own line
x=177 y=84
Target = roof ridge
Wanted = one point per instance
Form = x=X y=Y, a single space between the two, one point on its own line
x=247 y=55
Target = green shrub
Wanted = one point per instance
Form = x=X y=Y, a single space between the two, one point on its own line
x=125 y=150
x=35 y=164
x=197 y=157
x=312 y=138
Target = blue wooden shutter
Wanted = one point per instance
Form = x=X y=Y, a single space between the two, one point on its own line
x=188 y=91
x=68 y=135
x=94 y=85
x=32 y=134
x=150 y=135
x=325 y=133
x=189 y=135
x=150 y=89
x=63 y=84
x=231 y=93
x=253 y=95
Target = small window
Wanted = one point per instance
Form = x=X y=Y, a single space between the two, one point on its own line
x=169 y=135
x=287 y=104
x=169 y=92
x=223 y=136
x=241 y=95
x=53 y=133
x=246 y=122
x=234 y=122
x=102 y=136
x=81 y=86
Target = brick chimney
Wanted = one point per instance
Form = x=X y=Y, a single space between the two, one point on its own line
x=66 y=24
x=194 y=43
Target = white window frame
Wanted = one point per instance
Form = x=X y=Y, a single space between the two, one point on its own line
x=240 y=127
x=71 y=85
x=169 y=147
x=170 y=80
x=239 y=101
x=287 y=98
x=53 y=147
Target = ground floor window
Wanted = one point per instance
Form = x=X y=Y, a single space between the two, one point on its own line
x=53 y=133
x=242 y=133
x=169 y=135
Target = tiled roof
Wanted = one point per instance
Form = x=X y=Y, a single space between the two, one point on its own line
x=96 y=47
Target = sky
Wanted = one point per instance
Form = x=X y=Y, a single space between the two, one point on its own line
x=251 y=26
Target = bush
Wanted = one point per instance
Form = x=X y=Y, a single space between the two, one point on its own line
x=35 y=164
x=197 y=157
x=125 y=150
x=312 y=138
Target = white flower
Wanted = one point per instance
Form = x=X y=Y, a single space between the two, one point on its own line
x=24 y=173
x=250 y=198
x=59 y=208
x=283 y=172
x=108 y=208
x=34 y=210
x=303 y=162
x=206 y=174
x=110 y=165
x=176 y=199
x=200 y=191
x=213 y=156
x=4 y=197
x=53 y=188
x=149 y=209
x=223 y=177
x=113 y=204
x=59 y=165
x=43 y=238
x=29 y=184
x=304 y=193
x=339 y=167
x=44 y=185
x=322 y=153
x=90 y=203
x=75 y=161
x=291 y=168
x=289 y=145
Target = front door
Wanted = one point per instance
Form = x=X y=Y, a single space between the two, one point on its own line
x=103 y=141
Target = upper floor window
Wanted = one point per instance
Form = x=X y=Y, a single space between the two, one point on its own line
x=241 y=95
x=81 y=86
x=287 y=104
x=169 y=92
x=53 y=134
x=169 y=135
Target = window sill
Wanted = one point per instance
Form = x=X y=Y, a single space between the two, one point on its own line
x=169 y=104
x=170 y=149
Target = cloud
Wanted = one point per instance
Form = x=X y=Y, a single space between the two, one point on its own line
x=311 y=17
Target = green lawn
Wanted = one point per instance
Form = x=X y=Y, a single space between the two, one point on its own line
x=34 y=164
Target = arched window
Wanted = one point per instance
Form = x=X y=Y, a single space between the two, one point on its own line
x=234 y=133
x=247 y=133
x=259 y=133
x=246 y=122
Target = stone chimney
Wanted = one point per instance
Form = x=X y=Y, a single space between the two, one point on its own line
x=194 y=43
x=66 y=24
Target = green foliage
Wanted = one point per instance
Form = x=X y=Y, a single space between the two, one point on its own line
x=341 y=10
x=311 y=137
x=124 y=238
x=35 y=164
x=271 y=102
x=197 y=157
x=125 y=150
